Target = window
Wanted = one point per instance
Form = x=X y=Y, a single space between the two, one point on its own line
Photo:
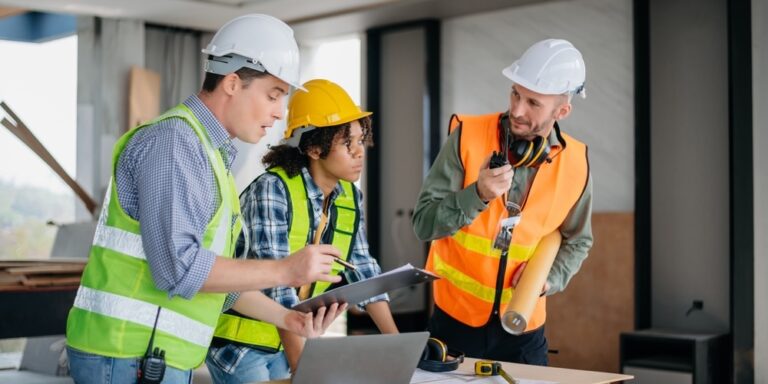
x=38 y=81
x=338 y=60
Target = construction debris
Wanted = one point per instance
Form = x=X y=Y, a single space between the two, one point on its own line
x=30 y=275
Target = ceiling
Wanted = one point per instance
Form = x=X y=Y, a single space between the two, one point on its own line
x=310 y=18
x=197 y=14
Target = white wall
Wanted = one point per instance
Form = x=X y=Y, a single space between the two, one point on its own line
x=760 y=116
x=475 y=48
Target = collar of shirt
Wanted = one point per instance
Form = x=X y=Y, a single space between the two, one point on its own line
x=314 y=193
x=219 y=136
x=551 y=139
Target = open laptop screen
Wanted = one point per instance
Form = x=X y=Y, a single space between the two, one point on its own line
x=385 y=359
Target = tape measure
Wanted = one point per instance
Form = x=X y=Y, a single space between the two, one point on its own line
x=492 y=368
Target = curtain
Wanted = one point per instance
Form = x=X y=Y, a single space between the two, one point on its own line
x=107 y=49
x=174 y=54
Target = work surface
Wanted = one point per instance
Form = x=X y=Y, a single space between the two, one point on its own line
x=525 y=374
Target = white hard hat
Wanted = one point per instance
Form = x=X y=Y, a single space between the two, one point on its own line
x=550 y=67
x=256 y=41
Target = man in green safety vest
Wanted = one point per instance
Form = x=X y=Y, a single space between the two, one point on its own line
x=161 y=261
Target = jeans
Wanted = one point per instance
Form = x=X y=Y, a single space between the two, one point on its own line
x=231 y=364
x=87 y=368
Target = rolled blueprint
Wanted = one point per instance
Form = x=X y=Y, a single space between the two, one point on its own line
x=528 y=289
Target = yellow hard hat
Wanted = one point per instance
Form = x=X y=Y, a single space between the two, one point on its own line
x=324 y=104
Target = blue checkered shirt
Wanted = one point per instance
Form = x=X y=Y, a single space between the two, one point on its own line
x=266 y=214
x=165 y=181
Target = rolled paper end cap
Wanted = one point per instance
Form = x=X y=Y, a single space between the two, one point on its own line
x=513 y=322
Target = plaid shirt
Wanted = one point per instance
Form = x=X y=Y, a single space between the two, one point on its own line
x=266 y=214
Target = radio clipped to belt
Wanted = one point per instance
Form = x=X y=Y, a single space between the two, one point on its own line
x=152 y=367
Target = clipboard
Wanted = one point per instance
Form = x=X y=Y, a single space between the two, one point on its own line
x=360 y=291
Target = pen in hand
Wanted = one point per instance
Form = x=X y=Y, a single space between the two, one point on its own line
x=345 y=263
x=304 y=291
x=319 y=234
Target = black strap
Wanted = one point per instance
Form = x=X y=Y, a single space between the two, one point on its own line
x=560 y=135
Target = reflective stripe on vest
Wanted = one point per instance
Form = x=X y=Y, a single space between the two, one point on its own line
x=242 y=330
x=467 y=261
x=117 y=302
x=140 y=312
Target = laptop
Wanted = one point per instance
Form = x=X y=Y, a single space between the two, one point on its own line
x=385 y=359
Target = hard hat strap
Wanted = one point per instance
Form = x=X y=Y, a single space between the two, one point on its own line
x=224 y=65
x=580 y=90
x=295 y=138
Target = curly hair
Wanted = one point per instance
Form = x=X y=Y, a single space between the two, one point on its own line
x=292 y=159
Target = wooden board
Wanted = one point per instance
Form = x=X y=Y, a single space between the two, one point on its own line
x=14 y=264
x=35 y=262
x=43 y=280
x=46 y=269
x=143 y=95
x=21 y=275
x=584 y=321
x=9 y=279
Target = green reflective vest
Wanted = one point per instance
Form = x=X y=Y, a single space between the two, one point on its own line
x=239 y=329
x=117 y=302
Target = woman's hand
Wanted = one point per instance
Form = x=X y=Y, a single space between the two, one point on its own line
x=309 y=325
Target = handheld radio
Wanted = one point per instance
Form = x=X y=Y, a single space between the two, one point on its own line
x=152 y=366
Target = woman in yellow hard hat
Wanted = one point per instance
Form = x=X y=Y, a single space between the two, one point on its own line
x=306 y=196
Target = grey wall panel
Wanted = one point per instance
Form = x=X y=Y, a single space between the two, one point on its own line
x=477 y=47
x=689 y=164
x=107 y=48
x=400 y=139
x=760 y=116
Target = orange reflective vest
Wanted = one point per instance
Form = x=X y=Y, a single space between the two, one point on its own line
x=467 y=262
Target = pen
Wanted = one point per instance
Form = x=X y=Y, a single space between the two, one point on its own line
x=304 y=290
x=319 y=232
x=345 y=263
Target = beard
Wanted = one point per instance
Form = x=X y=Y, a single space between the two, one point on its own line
x=523 y=129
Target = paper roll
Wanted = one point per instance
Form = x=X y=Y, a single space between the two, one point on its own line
x=528 y=289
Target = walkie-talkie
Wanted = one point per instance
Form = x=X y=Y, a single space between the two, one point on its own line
x=498 y=159
x=501 y=158
x=152 y=367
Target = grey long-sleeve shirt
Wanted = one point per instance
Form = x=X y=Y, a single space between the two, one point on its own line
x=444 y=206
